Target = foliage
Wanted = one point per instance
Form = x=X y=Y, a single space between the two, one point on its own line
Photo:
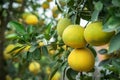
x=18 y=32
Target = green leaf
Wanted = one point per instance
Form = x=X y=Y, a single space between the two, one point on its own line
x=95 y=15
x=116 y=3
x=105 y=62
x=116 y=63
x=30 y=29
x=48 y=31
x=12 y=36
x=103 y=51
x=44 y=50
x=19 y=28
x=112 y=24
x=36 y=54
x=71 y=74
x=114 y=43
x=32 y=48
x=98 y=7
x=93 y=50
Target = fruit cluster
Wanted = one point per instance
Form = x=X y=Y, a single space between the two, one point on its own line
x=81 y=58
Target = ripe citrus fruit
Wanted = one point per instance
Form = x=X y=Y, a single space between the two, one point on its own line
x=95 y=36
x=81 y=59
x=45 y=5
x=73 y=36
x=62 y=24
x=56 y=76
x=6 y=53
x=24 y=15
x=34 y=67
x=31 y=19
x=55 y=12
x=49 y=0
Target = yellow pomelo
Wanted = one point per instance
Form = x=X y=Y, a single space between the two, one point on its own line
x=73 y=36
x=24 y=15
x=95 y=36
x=12 y=49
x=49 y=0
x=81 y=59
x=45 y=5
x=34 y=67
x=41 y=44
x=56 y=76
x=8 y=77
x=55 y=12
x=62 y=24
x=51 y=51
x=48 y=70
x=31 y=19
x=6 y=53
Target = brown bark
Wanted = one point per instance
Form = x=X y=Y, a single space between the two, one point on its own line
x=2 y=39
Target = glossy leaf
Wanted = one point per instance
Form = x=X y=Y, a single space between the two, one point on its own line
x=103 y=51
x=47 y=31
x=112 y=24
x=12 y=36
x=98 y=7
x=30 y=29
x=19 y=28
x=114 y=43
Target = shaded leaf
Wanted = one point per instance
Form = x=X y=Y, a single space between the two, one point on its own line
x=71 y=74
x=116 y=3
x=112 y=24
x=55 y=69
x=32 y=48
x=93 y=50
x=105 y=62
x=114 y=43
x=44 y=50
x=116 y=63
x=36 y=54
x=102 y=51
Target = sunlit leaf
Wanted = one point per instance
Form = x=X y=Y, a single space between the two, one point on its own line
x=19 y=28
x=30 y=29
x=12 y=36
x=98 y=7
x=48 y=31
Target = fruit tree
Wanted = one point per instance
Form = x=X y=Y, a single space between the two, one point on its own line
x=60 y=40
